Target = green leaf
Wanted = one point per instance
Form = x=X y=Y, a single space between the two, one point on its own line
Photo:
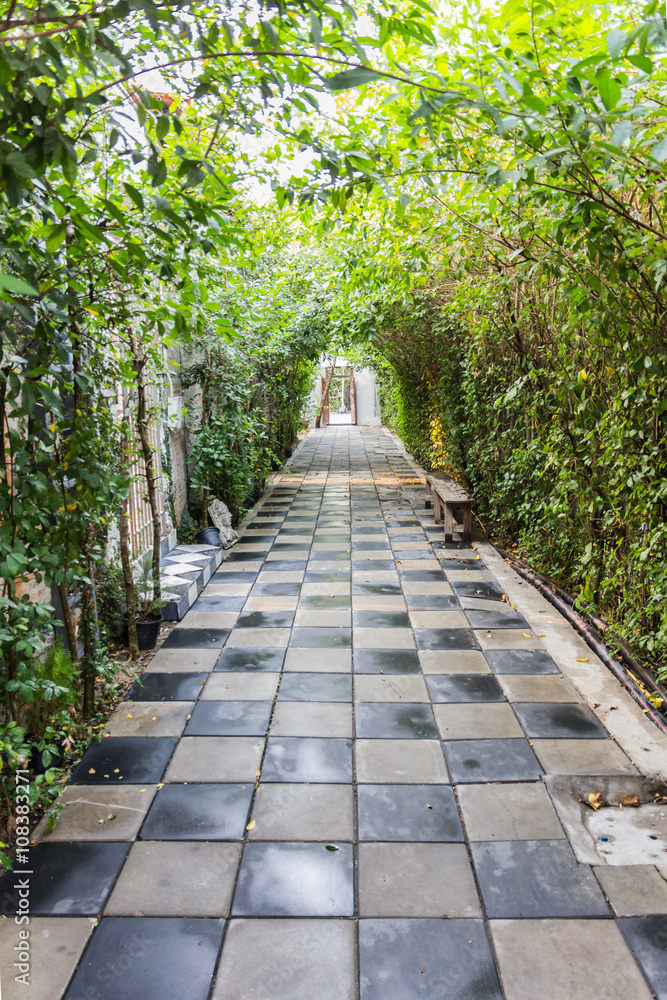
x=315 y=29
x=56 y=237
x=134 y=196
x=659 y=151
x=608 y=88
x=621 y=133
x=332 y=847
x=351 y=78
x=17 y=286
x=616 y=40
x=162 y=126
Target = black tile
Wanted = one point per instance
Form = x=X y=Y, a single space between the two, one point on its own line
x=474 y=761
x=488 y=591
x=535 y=879
x=295 y=880
x=265 y=619
x=379 y=546
x=128 y=759
x=253 y=539
x=425 y=960
x=333 y=602
x=415 y=536
x=205 y=603
x=198 y=812
x=195 y=638
x=275 y=590
x=445 y=638
x=381 y=619
x=386 y=661
x=167 y=687
x=151 y=958
x=464 y=687
x=520 y=661
x=375 y=530
x=647 y=936
x=408 y=813
x=308 y=759
x=376 y=565
x=359 y=589
x=457 y=565
x=496 y=619
x=299 y=686
x=72 y=880
x=559 y=721
x=301 y=545
x=375 y=720
x=421 y=575
x=285 y=566
x=431 y=602
x=242 y=576
x=251 y=658
x=322 y=638
x=240 y=557
x=402 y=555
x=229 y=718
x=328 y=576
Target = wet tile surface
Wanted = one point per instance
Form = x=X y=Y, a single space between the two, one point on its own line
x=130 y=957
x=408 y=813
x=535 y=878
x=295 y=880
x=406 y=959
x=412 y=715
x=198 y=812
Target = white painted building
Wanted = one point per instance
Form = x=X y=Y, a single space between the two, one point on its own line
x=352 y=397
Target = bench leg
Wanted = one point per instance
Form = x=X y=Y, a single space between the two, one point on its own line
x=437 y=508
x=429 y=492
x=467 y=523
x=449 y=529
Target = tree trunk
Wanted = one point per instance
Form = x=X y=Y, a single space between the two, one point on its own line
x=149 y=463
x=325 y=394
x=125 y=559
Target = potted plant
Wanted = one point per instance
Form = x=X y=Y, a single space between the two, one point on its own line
x=148 y=606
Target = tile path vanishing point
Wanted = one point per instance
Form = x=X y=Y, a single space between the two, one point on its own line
x=329 y=784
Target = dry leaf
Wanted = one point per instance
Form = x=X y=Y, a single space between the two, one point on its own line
x=128 y=716
x=629 y=800
x=595 y=800
x=527 y=635
x=91 y=771
x=583 y=659
x=251 y=825
x=428 y=805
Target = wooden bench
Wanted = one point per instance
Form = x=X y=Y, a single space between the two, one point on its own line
x=447 y=494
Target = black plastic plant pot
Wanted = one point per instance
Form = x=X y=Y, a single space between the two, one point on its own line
x=209 y=536
x=147 y=632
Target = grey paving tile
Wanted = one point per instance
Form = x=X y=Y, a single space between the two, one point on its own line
x=394 y=721
x=453 y=661
x=295 y=880
x=508 y=812
x=283 y=811
x=294 y=959
x=298 y=718
x=198 y=812
x=216 y=759
x=386 y=661
x=320 y=660
x=472 y=761
x=242 y=685
x=533 y=687
x=149 y=718
x=87 y=809
x=408 y=813
x=633 y=890
x=251 y=638
x=322 y=638
x=383 y=638
x=535 y=878
x=567 y=951
x=477 y=721
x=308 y=759
x=152 y=957
x=407 y=959
x=400 y=762
x=55 y=947
x=582 y=757
x=392 y=687
x=416 y=880
x=181 y=879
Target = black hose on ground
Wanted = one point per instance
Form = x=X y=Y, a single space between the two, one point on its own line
x=595 y=643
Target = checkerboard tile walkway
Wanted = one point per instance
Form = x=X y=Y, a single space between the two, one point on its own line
x=328 y=785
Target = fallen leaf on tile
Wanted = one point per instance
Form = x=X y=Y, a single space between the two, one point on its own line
x=595 y=800
x=527 y=635
x=629 y=800
x=583 y=659
x=332 y=847
x=91 y=771
x=251 y=825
